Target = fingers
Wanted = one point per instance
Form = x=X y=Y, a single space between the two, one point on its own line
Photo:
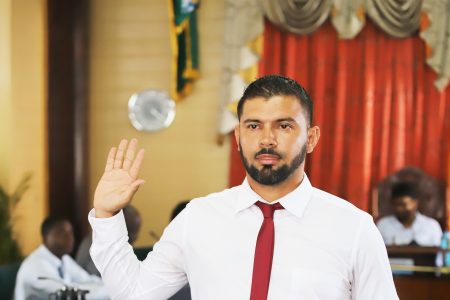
x=130 y=154
x=110 y=159
x=134 y=171
x=118 y=161
x=123 y=157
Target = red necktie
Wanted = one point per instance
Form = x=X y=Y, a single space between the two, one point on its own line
x=262 y=265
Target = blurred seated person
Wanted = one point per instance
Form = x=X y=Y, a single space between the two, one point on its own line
x=52 y=260
x=133 y=222
x=407 y=226
x=178 y=208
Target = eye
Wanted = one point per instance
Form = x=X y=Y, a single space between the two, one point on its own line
x=285 y=126
x=252 y=126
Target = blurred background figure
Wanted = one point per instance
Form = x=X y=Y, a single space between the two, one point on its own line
x=133 y=221
x=178 y=208
x=52 y=260
x=430 y=191
x=407 y=226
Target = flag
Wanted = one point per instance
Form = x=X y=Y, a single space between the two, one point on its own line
x=184 y=42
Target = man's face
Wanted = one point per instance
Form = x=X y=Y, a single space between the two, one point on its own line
x=273 y=138
x=405 y=208
x=60 y=239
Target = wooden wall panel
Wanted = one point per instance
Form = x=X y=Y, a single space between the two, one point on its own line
x=67 y=111
x=130 y=51
x=23 y=113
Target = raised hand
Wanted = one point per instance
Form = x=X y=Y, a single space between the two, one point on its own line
x=119 y=182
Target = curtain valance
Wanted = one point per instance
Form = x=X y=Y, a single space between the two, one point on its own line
x=398 y=18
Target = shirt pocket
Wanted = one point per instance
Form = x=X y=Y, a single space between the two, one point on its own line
x=318 y=285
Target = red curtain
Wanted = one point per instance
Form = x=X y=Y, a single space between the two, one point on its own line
x=375 y=103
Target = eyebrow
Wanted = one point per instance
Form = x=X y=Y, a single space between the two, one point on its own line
x=286 y=120
x=252 y=121
x=289 y=119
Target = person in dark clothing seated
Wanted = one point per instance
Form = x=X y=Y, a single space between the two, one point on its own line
x=132 y=219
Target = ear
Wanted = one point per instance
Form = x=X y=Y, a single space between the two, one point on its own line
x=313 y=138
x=236 y=136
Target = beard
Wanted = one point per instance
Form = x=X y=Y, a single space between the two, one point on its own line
x=405 y=216
x=268 y=175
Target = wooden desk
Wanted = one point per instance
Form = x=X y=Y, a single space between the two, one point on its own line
x=412 y=250
x=426 y=282
x=422 y=256
x=418 y=287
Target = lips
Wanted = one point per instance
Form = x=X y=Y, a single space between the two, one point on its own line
x=267 y=159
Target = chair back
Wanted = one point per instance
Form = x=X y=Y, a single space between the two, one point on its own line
x=8 y=274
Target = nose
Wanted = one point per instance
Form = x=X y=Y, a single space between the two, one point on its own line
x=268 y=138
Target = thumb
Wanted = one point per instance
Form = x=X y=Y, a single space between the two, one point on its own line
x=137 y=183
x=134 y=186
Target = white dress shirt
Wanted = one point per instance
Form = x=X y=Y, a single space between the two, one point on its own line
x=424 y=231
x=42 y=263
x=83 y=257
x=325 y=248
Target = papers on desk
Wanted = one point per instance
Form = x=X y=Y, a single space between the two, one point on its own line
x=402 y=262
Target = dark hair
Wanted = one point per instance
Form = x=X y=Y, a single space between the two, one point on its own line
x=276 y=85
x=403 y=189
x=177 y=209
x=51 y=222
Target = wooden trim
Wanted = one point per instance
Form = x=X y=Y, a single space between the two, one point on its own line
x=68 y=111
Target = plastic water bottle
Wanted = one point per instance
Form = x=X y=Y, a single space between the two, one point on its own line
x=445 y=246
x=443 y=257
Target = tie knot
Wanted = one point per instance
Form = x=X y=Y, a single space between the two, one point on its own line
x=268 y=209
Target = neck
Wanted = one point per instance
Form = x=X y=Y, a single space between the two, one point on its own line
x=271 y=193
x=408 y=223
x=55 y=253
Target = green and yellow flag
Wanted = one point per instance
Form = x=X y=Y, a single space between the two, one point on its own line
x=184 y=40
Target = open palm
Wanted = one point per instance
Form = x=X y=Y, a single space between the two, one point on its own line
x=119 y=182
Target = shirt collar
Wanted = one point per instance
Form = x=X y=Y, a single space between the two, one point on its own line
x=418 y=220
x=295 y=202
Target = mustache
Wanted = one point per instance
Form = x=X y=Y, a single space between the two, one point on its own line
x=268 y=151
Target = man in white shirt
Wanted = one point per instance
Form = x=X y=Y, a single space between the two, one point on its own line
x=408 y=226
x=52 y=262
x=273 y=237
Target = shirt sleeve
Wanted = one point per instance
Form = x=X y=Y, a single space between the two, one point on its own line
x=28 y=284
x=436 y=233
x=159 y=276
x=372 y=275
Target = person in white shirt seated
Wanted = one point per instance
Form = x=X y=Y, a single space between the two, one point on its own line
x=407 y=226
x=52 y=262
